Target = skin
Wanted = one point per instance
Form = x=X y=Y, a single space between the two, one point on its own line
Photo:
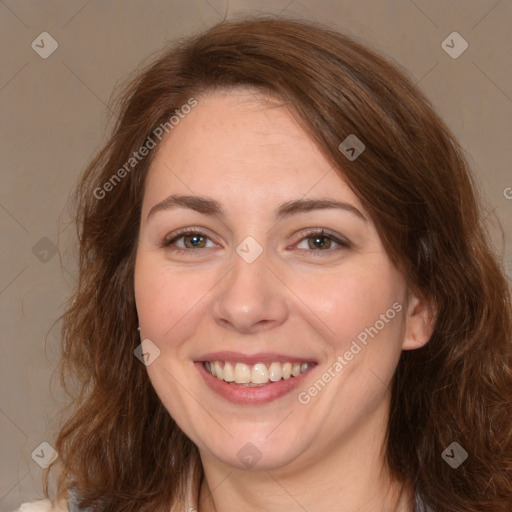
x=251 y=155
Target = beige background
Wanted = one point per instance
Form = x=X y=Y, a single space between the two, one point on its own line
x=54 y=117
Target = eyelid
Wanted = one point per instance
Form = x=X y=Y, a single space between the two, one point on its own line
x=308 y=232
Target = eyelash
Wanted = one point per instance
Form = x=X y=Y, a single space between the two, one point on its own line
x=167 y=242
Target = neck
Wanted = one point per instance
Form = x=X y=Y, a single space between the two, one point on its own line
x=271 y=494
x=350 y=477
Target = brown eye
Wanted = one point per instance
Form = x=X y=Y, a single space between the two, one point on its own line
x=321 y=242
x=187 y=241
x=194 y=241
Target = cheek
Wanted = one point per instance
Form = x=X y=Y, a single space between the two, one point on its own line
x=350 y=300
x=165 y=296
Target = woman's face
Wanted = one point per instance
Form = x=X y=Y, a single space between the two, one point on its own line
x=280 y=266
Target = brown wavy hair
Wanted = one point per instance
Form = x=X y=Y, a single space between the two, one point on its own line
x=120 y=449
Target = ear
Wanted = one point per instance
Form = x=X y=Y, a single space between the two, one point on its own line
x=420 y=322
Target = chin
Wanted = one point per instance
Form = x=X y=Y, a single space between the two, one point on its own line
x=258 y=450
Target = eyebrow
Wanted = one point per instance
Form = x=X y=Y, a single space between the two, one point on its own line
x=209 y=206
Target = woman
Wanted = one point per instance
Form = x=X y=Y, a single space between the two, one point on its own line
x=287 y=297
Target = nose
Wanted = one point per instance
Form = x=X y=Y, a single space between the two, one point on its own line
x=250 y=298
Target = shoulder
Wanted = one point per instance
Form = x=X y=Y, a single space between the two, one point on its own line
x=42 y=506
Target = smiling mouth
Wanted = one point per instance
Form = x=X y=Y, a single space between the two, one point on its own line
x=257 y=375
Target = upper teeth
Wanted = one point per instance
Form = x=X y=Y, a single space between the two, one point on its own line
x=241 y=373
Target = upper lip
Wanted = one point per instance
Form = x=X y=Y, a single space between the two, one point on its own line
x=252 y=359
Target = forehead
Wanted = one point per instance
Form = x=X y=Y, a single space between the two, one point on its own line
x=240 y=146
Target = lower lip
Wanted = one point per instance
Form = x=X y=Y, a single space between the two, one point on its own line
x=247 y=395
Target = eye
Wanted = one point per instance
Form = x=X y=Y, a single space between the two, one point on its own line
x=190 y=239
x=320 y=241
